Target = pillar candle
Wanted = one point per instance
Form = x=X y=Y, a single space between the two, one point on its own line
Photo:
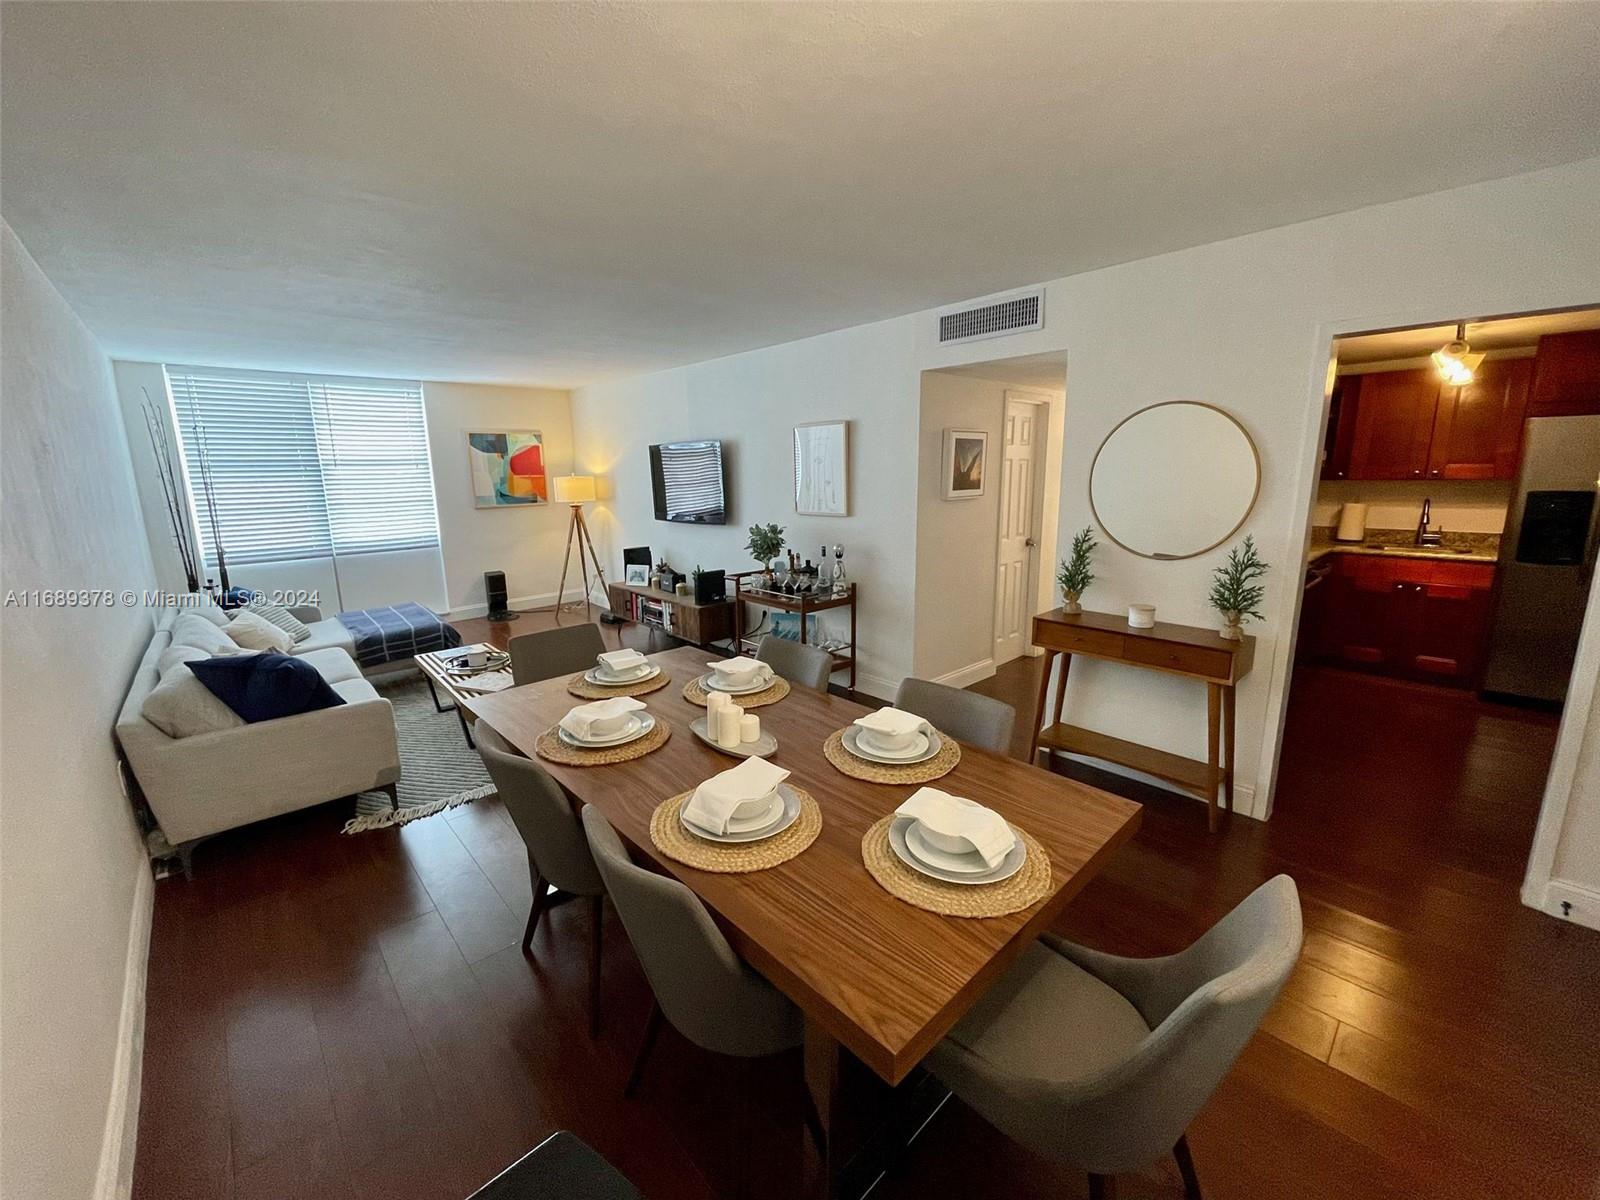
x=728 y=725
x=714 y=701
x=749 y=728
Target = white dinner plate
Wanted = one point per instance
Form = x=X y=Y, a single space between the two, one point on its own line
x=604 y=679
x=1009 y=866
x=917 y=752
x=709 y=681
x=786 y=818
x=638 y=725
x=970 y=863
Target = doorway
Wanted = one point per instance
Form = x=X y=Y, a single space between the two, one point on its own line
x=1425 y=701
x=1017 y=559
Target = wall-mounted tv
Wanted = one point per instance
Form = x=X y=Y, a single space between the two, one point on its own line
x=686 y=479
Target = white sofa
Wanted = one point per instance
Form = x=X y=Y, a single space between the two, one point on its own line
x=206 y=782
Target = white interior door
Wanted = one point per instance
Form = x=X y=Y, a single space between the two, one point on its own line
x=1018 y=555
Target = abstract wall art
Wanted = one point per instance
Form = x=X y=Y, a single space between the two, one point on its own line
x=508 y=468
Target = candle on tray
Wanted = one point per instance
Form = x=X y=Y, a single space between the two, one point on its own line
x=728 y=725
x=714 y=701
x=749 y=728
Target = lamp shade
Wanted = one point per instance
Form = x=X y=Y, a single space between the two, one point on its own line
x=574 y=489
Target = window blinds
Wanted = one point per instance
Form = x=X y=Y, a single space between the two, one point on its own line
x=295 y=467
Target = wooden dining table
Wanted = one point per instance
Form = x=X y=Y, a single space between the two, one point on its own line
x=876 y=978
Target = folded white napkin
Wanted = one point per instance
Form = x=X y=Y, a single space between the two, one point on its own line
x=714 y=802
x=599 y=719
x=893 y=723
x=742 y=665
x=953 y=816
x=621 y=662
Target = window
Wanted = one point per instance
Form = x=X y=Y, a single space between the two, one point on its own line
x=296 y=466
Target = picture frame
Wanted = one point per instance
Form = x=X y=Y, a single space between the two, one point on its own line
x=822 y=469
x=637 y=574
x=506 y=468
x=966 y=463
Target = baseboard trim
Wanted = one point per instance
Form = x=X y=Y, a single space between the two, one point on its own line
x=114 y=1179
x=967 y=675
x=876 y=686
x=1244 y=794
x=540 y=600
x=1584 y=902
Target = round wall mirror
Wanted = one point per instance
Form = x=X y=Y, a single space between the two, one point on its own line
x=1174 y=480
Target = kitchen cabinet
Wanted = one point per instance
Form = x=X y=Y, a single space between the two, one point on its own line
x=1566 y=375
x=1410 y=425
x=1425 y=619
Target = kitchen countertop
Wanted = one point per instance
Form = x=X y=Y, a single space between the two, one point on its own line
x=1388 y=550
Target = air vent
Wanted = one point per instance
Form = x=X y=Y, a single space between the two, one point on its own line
x=1011 y=315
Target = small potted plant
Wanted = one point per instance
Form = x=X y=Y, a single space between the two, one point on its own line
x=765 y=544
x=1236 y=590
x=1075 y=575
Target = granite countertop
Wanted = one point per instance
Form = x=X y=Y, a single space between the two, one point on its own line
x=1399 y=543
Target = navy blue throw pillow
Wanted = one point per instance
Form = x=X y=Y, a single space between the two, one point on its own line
x=264 y=687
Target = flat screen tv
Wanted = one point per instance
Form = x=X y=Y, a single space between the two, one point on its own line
x=686 y=479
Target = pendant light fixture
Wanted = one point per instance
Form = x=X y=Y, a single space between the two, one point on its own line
x=1456 y=362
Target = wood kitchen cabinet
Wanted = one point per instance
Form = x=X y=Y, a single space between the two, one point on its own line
x=1409 y=425
x=1425 y=619
x=1566 y=375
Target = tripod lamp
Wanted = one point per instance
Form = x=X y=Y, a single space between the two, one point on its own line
x=575 y=491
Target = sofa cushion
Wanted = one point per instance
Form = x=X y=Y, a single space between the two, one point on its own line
x=280 y=616
x=203 y=605
x=354 y=691
x=334 y=665
x=264 y=687
x=325 y=633
x=176 y=656
x=191 y=629
x=181 y=706
x=255 y=632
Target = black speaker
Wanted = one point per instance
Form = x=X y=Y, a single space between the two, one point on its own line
x=710 y=587
x=494 y=589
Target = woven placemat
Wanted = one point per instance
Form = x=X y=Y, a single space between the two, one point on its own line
x=1023 y=890
x=550 y=746
x=677 y=843
x=694 y=693
x=939 y=765
x=579 y=686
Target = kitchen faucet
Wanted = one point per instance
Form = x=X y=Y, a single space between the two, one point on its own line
x=1424 y=538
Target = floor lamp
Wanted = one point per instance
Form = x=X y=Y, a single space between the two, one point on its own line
x=575 y=491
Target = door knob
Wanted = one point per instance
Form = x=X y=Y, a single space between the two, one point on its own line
x=1029 y=542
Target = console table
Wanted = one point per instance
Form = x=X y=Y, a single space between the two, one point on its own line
x=746 y=587
x=1200 y=654
x=678 y=615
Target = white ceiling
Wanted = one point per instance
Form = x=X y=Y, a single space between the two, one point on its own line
x=553 y=193
x=1505 y=333
x=1043 y=372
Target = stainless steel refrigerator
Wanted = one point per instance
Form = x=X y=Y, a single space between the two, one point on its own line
x=1547 y=559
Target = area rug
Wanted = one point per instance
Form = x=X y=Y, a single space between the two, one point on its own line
x=438 y=770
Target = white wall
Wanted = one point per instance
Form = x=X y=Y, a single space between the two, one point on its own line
x=752 y=402
x=74 y=881
x=1459 y=505
x=526 y=543
x=1244 y=324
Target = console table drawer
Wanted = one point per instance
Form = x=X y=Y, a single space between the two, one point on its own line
x=1080 y=641
x=1171 y=656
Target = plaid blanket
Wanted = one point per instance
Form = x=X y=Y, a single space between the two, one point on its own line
x=385 y=635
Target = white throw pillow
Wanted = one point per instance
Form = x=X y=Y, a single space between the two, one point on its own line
x=280 y=616
x=175 y=656
x=254 y=632
x=204 y=606
x=181 y=706
x=191 y=629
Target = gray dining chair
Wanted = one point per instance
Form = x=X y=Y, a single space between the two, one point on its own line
x=558 y=852
x=552 y=652
x=798 y=664
x=980 y=721
x=1102 y=1062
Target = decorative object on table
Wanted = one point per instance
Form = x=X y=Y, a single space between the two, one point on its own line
x=584 y=687
x=760 y=746
x=710 y=587
x=575 y=491
x=171 y=492
x=765 y=544
x=840 y=584
x=966 y=452
x=941 y=762
x=1236 y=591
x=476 y=659
x=741 y=804
x=821 y=469
x=603 y=723
x=1174 y=480
x=683 y=589
x=507 y=468
x=695 y=692
x=670 y=837
x=1075 y=576
x=1141 y=616
x=786 y=625
x=496 y=598
x=550 y=746
x=438 y=770
x=636 y=574
x=1029 y=885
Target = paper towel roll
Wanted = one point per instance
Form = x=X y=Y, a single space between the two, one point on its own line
x=1352 y=522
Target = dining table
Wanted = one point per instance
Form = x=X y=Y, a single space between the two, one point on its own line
x=878 y=980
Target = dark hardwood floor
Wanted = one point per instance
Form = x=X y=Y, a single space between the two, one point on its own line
x=339 y=1016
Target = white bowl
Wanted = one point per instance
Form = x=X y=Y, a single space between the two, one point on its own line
x=948 y=842
x=886 y=743
x=754 y=808
x=736 y=679
x=610 y=726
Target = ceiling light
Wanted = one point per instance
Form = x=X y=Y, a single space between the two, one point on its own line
x=1455 y=360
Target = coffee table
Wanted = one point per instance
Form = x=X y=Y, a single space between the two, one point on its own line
x=433 y=666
